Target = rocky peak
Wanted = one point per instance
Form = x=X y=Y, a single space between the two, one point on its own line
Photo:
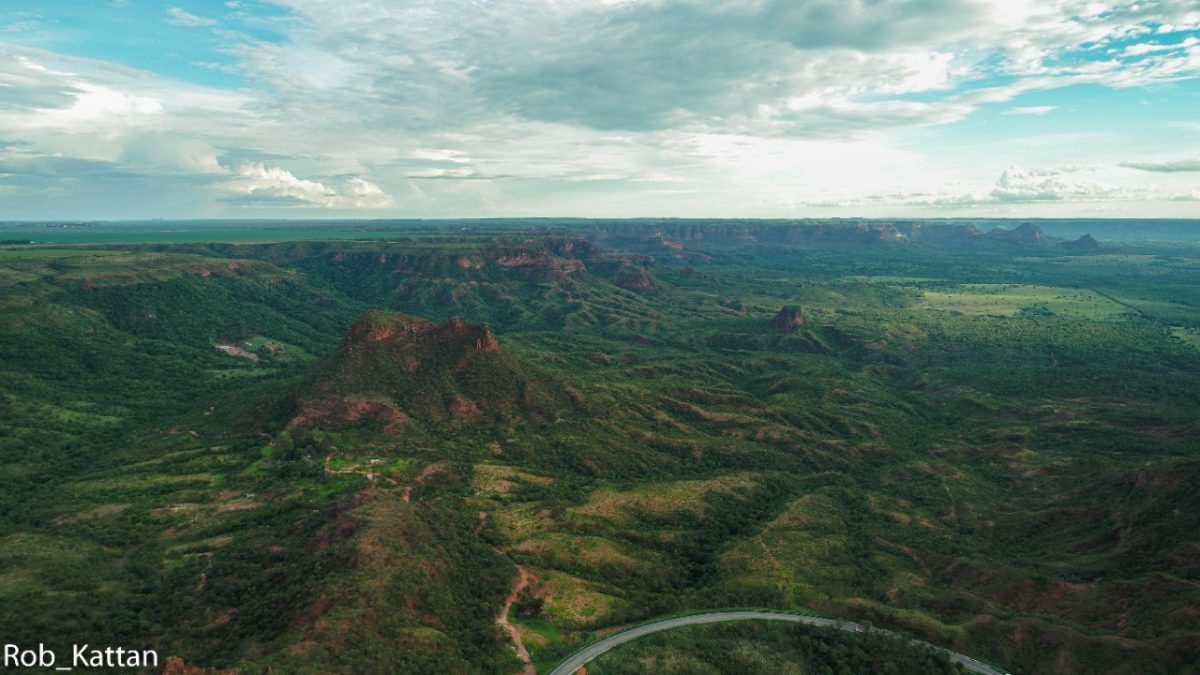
x=787 y=320
x=1025 y=233
x=405 y=330
x=1028 y=233
x=394 y=370
x=376 y=326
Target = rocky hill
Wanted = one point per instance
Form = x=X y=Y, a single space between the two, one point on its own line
x=392 y=368
x=787 y=320
x=1026 y=234
x=1085 y=243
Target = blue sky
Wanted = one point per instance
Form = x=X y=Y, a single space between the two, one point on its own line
x=449 y=108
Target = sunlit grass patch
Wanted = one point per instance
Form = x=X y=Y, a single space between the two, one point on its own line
x=1190 y=336
x=503 y=479
x=521 y=521
x=1011 y=299
x=573 y=602
x=567 y=551
x=685 y=497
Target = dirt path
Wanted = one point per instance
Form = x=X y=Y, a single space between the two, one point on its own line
x=521 y=584
x=502 y=621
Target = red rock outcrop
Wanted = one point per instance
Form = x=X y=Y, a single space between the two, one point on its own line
x=788 y=319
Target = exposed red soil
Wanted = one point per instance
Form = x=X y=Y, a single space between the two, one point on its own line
x=234 y=350
x=502 y=621
x=461 y=407
x=338 y=411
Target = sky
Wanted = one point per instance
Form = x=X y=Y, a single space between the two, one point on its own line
x=130 y=109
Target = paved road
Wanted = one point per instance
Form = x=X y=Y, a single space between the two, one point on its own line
x=581 y=657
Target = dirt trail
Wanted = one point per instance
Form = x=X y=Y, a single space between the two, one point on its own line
x=521 y=584
x=350 y=469
x=502 y=621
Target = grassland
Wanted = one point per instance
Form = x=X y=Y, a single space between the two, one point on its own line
x=1012 y=299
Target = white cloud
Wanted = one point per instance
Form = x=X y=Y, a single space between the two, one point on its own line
x=271 y=185
x=1031 y=110
x=1036 y=185
x=182 y=17
x=1175 y=166
x=95 y=101
x=165 y=151
x=363 y=194
x=554 y=106
x=1015 y=185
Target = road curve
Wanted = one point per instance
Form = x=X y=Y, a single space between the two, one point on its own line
x=581 y=657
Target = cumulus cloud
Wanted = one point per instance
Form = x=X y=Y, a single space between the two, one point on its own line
x=1037 y=185
x=363 y=194
x=272 y=185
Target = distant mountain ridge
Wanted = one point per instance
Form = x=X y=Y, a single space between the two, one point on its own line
x=679 y=238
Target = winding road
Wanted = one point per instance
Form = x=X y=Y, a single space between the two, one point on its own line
x=581 y=657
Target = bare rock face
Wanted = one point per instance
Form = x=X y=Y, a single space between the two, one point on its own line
x=333 y=412
x=378 y=326
x=789 y=319
x=412 y=334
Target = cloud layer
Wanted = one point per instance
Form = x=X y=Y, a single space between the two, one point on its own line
x=613 y=107
x=1174 y=166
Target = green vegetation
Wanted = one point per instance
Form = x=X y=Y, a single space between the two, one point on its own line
x=988 y=445
x=1013 y=299
x=770 y=649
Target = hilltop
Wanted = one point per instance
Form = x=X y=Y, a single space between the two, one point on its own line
x=392 y=367
x=1085 y=243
